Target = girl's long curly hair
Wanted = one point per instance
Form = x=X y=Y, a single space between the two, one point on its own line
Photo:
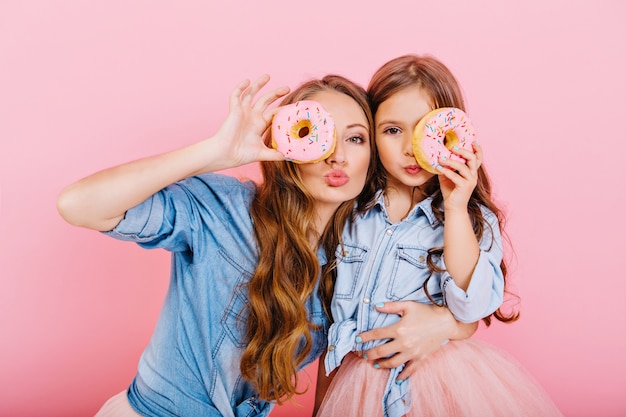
x=438 y=82
x=278 y=328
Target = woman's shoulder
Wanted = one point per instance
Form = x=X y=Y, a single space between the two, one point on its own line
x=220 y=184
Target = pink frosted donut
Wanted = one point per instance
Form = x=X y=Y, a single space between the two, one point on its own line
x=303 y=132
x=438 y=132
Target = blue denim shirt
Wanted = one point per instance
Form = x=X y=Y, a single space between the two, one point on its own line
x=191 y=365
x=384 y=261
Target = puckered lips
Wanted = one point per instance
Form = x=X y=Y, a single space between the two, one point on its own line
x=412 y=169
x=336 y=178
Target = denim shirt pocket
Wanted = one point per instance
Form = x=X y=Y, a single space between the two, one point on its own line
x=409 y=272
x=234 y=319
x=350 y=261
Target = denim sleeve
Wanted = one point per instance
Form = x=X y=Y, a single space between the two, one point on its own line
x=485 y=292
x=184 y=215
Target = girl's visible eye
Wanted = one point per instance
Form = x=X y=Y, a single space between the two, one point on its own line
x=392 y=131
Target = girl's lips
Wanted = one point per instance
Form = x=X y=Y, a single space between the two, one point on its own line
x=412 y=169
x=336 y=178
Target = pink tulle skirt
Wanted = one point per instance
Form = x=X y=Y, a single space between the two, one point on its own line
x=467 y=378
x=117 y=406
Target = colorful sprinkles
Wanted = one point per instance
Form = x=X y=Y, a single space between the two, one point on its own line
x=439 y=131
x=319 y=140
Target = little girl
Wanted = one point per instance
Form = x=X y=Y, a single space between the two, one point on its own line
x=432 y=239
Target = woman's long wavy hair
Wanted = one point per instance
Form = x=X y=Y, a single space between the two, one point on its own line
x=278 y=330
x=436 y=80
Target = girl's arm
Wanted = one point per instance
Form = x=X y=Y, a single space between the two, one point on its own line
x=422 y=329
x=100 y=201
x=460 y=246
x=478 y=282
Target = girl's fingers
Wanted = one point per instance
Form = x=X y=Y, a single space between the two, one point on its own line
x=455 y=168
x=450 y=174
x=476 y=154
x=473 y=160
x=478 y=150
x=467 y=155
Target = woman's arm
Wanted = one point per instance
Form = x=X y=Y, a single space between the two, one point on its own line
x=100 y=201
x=421 y=331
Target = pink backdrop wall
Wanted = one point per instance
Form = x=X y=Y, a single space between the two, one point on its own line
x=85 y=85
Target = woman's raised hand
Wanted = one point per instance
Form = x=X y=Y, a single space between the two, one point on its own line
x=101 y=200
x=241 y=134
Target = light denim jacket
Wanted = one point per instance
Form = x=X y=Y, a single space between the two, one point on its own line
x=384 y=261
x=191 y=365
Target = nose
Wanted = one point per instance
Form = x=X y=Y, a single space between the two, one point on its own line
x=407 y=145
x=338 y=156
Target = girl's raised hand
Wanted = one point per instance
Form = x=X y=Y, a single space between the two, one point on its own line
x=241 y=134
x=457 y=179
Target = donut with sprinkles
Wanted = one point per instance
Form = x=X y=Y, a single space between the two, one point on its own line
x=304 y=132
x=439 y=131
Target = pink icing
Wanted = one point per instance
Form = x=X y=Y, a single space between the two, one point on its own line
x=429 y=140
x=316 y=144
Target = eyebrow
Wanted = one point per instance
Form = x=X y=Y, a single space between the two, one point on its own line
x=387 y=122
x=357 y=125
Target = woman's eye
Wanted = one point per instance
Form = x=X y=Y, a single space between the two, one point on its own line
x=356 y=139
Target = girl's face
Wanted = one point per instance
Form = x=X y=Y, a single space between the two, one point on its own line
x=341 y=176
x=395 y=120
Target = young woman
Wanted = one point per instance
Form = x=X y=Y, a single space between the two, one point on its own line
x=431 y=239
x=243 y=254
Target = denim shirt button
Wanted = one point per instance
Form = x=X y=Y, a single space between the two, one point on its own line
x=331 y=348
x=367 y=300
x=389 y=232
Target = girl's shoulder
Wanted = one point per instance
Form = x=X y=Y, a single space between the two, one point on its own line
x=488 y=215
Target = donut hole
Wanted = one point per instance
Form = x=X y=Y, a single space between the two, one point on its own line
x=450 y=140
x=303 y=132
x=302 y=129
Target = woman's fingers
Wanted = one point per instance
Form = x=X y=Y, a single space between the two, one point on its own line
x=250 y=92
x=245 y=92
x=267 y=99
x=235 y=95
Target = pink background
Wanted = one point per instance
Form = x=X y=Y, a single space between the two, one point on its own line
x=88 y=84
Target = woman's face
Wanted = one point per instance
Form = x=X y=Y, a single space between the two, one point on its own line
x=395 y=121
x=341 y=176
